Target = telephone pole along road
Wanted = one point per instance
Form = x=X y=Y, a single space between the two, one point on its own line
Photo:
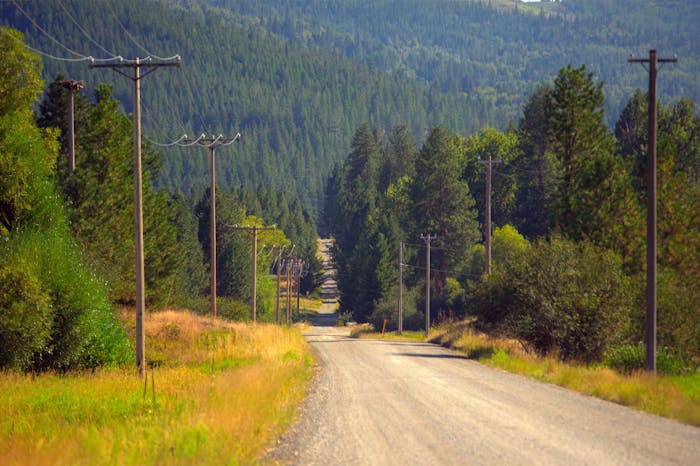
x=402 y=403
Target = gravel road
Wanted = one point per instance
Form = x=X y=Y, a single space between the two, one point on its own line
x=404 y=403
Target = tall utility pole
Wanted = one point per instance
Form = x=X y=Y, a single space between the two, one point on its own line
x=254 y=266
x=399 y=324
x=650 y=325
x=300 y=266
x=487 y=214
x=427 y=240
x=71 y=86
x=278 y=267
x=136 y=66
x=211 y=142
x=290 y=263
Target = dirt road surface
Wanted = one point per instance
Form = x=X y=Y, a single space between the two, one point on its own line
x=405 y=403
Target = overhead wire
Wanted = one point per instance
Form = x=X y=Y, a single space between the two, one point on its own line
x=85 y=32
x=53 y=57
x=169 y=144
x=81 y=56
x=150 y=54
x=47 y=34
x=135 y=42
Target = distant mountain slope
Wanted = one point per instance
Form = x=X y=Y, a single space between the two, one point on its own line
x=297 y=78
x=495 y=48
x=296 y=108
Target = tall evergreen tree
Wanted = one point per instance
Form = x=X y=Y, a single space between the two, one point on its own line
x=583 y=146
x=535 y=167
x=191 y=276
x=441 y=202
x=100 y=195
x=232 y=247
x=54 y=311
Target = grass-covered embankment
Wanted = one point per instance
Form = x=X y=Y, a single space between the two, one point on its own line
x=218 y=394
x=676 y=397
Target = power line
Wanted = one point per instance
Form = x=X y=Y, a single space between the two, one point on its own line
x=44 y=31
x=134 y=41
x=170 y=144
x=191 y=96
x=85 y=32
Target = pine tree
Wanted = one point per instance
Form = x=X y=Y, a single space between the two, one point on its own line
x=583 y=145
x=441 y=202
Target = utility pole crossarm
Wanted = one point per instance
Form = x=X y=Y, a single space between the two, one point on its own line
x=137 y=63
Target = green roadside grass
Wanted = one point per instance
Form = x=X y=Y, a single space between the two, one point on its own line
x=675 y=397
x=217 y=393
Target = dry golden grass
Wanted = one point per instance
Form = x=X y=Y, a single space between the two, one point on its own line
x=222 y=393
x=674 y=397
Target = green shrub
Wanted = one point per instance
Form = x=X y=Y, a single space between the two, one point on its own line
x=628 y=358
x=413 y=319
x=25 y=316
x=571 y=299
x=83 y=332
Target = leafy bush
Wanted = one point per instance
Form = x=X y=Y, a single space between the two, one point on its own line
x=413 y=319
x=572 y=299
x=25 y=316
x=628 y=358
x=71 y=304
x=678 y=311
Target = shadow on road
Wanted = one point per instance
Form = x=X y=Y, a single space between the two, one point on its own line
x=325 y=319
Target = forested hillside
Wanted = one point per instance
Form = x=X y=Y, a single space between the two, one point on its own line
x=295 y=108
x=497 y=50
x=296 y=78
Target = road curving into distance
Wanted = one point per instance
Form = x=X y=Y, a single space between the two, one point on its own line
x=404 y=403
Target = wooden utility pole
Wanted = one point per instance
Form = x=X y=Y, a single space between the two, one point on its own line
x=71 y=86
x=211 y=142
x=399 y=324
x=650 y=324
x=254 y=267
x=289 y=290
x=278 y=266
x=487 y=214
x=299 y=267
x=427 y=238
x=136 y=66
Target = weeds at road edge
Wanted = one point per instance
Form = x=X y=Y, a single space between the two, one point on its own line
x=676 y=397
